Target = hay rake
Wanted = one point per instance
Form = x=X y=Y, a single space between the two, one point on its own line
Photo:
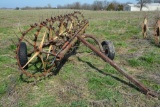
x=156 y=31
x=43 y=46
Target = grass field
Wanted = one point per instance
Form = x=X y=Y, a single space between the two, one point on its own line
x=84 y=80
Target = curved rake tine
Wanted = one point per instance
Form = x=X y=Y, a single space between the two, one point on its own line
x=31 y=59
x=44 y=43
x=50 y=47
x=144 y=28
x=49 y=50
x=28 y=42
x=157 y=32
x=74 y=22
x=20 y=29
x=70 y=27
x=37 y=53
x=16 y=35
x=145 y=20
x=50 y=34
x=42 y=62
x=158 y=24
x=41 y=45
x=61 y=29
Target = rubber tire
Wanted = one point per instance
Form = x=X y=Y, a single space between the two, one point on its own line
x=108 y=47
x=22 y=54
x=158 y=31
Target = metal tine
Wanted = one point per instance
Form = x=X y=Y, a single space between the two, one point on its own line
x=41 y=19
x=28 y=42
x=60 y=19
x=16 y=35
x=20 y=30
x=13 y=42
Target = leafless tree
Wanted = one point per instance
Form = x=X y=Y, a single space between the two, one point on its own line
x=142 y=3
x=97 y=5
x=86 y=6
x=76 y=5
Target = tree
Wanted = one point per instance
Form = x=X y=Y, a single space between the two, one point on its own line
x=141 y=3
x=111 y=7
x=120 y=7
x=97 y=5
x=86 y=6
x=17 y=8
x=115 y=4
x=105 y=4
x=76 y=5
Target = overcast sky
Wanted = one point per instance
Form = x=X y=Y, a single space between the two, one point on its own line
x=42 y=3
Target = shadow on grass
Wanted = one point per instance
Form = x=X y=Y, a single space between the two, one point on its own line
x=107 y=74
x=152 y=41
x=54 y=71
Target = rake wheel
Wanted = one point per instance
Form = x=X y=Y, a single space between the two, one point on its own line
x=157 y=32
x=144 y=28
x=39 y=47
x=108 y=48
x=22 y=54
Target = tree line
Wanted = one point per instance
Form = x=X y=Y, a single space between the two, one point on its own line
x=97 y=5
x=104 y=5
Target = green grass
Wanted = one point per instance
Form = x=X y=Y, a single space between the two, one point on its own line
x=84 y=80
x=134 y=62
x=3 y=88
x=121 y=44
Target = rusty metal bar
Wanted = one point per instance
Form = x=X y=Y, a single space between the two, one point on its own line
x=58 y=33
x=72 y=41
x=144 y=89
x=95 y=39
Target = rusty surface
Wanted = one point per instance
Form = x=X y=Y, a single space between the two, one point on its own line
x=144 y=27
x=143 y=88
x=95 y=39
x=50 y=40
x=157 y=32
